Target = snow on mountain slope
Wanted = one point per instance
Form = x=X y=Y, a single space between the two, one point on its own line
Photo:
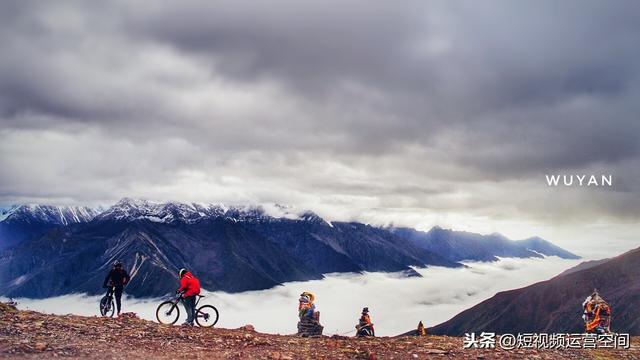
x=129 y=209
x=6 y=212
x=23 y=222
x=58 y=215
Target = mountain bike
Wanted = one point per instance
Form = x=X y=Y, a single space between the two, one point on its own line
x=168 y=312
x=107 y=307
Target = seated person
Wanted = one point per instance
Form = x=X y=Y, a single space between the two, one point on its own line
x=365 y=326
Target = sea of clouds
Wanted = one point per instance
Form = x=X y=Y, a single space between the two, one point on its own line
x=397 y=303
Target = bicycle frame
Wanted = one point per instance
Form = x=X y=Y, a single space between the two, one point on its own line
x=178 y=299
x=175 y=302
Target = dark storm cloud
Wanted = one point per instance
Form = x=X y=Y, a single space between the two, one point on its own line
x=428 y=105
x=309 y=45
x=490 y=70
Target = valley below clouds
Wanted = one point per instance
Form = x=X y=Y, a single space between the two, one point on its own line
x=396 y=302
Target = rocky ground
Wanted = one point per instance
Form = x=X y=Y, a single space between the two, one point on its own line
x=26 y=334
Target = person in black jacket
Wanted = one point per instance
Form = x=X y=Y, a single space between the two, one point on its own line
x=117 y=278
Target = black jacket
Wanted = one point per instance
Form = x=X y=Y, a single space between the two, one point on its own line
x=118 y=277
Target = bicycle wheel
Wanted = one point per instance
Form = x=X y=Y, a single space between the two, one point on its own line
x=207 y=316
x=106 y=306
x=167 y=313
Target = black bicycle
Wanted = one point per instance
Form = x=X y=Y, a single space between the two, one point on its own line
x=107 y=307
x=168 y=312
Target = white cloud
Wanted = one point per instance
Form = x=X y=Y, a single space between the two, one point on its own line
x=396 y=303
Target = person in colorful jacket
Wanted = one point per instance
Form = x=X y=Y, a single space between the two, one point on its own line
x=306 y=307
x=190 y=288
x=365 y=326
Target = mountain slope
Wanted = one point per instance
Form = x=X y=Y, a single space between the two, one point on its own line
x=544 y=247
x=348 y=246
x=584 y=265
x=223 y=254
x=460 y=245
x=230 y=248
x=20 y=223
x=555 y=305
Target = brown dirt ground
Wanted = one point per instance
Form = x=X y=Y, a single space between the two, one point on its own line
x=27 y=334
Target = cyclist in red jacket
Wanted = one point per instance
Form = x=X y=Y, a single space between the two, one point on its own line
x=190 y=288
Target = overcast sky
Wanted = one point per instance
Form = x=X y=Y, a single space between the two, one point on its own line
x=417 y=113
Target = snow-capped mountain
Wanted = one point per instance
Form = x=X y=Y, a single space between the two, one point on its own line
x=129 y=209
x=22 y=222
x=5 y=212
x=231 y=249
x=58 y=215
x=47 y=250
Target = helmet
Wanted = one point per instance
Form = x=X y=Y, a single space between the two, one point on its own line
x=365 y=310
x=309 y=295
x=182 y=272
x=117 y=263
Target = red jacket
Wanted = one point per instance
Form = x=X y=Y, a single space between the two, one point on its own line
x=189 y=284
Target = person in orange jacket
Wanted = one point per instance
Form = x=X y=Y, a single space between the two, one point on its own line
x=190 y=288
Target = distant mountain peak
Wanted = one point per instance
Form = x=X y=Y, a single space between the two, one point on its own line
x=535 y=239
x=6 y=212
x=128 y=209
x=134 y=202
x=440 y=229
x=462 y=245
x=59 y=215
x=546 y=247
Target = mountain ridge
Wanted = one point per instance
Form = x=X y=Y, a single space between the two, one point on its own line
x=228 y=255
x=22 y=222
x=462 y=245
x=231 y=248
